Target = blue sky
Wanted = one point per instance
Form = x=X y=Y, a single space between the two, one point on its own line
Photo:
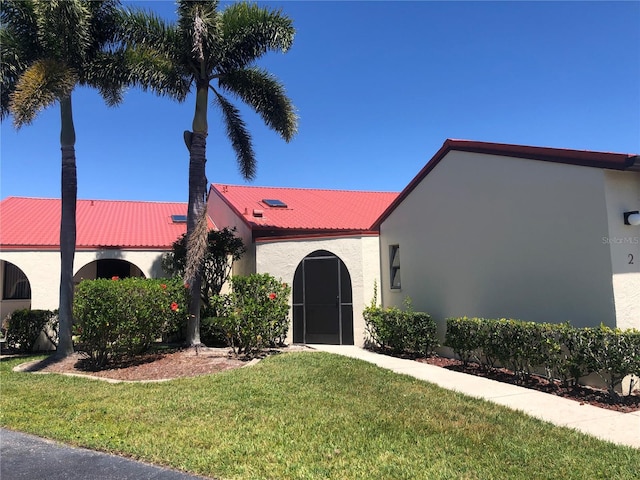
x=378 y=86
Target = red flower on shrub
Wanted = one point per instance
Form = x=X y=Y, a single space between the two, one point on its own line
x=272 y=296
x=174 y=306
x=115 y=277
x=186 y=285
x=163 y=286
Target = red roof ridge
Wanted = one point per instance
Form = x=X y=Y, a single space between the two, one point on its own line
x=585 y=158
x=262 y=187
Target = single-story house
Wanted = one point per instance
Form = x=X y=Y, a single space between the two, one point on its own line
x=484 y=229
x=538 y=234
x=321 y=242
x=114 y=238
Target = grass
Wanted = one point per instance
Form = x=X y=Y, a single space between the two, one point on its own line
x=305 y=416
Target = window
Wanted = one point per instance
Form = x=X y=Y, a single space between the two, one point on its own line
x=394 y=264
x=275 y=203
x=16 y=284
x=179 y=218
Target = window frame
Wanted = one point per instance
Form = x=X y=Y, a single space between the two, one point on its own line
x=394 y=268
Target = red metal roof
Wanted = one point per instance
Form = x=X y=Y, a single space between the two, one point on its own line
x=584 y=158
x=307 y=210
x=35 y=223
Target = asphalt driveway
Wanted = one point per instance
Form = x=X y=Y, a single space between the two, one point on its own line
x=25 y=456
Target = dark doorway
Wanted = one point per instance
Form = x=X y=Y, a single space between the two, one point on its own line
x=322 y=301
x=109 y=268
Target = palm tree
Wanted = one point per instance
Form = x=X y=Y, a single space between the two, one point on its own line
x=48 y=47
x=208 y=46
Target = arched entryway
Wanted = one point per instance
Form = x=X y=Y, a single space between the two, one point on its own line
x=322 y=300
x=16 y=289
x=107 y=268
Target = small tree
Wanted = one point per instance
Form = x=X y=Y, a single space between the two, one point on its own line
x=222 y=246
x=256 y=313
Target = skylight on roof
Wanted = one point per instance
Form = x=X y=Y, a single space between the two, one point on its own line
x=179 y=218
x=272 y=202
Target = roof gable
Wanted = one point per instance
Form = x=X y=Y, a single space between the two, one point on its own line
x=303 y=210
x=584 y=158
x=35 y=223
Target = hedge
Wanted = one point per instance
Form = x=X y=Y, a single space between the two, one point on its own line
x=565 y=352
x=118 y=318
x=401 y=331
x=25 y=326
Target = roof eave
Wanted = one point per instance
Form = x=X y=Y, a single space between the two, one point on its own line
x=585 y=158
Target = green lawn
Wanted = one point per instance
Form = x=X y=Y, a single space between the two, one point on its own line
x=305 y=416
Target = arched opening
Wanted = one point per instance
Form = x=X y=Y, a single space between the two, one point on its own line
x=16 y=289
x=322 y=300
x=107 y=268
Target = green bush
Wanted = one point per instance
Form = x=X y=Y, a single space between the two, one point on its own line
x=565 y=352
x=612 y=353
x=255 y=314
x=25 y=326
x=118 y=318
x=400 y=331
x=212 y=334
x=464 y=337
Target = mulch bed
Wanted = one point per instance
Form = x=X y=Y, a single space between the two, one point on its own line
x=583 y=394
x=191 y=363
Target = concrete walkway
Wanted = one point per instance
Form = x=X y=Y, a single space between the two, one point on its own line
x=616 y=427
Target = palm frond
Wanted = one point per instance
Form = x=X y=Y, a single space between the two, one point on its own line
x=18 y=46
x=150 y=54
x=105 y=23
x=266 y=95
x=150 y=70
x=41 y=85
x=19 y=16
x=140 y=27
x=64 y=30
x=11 y=67
x=199 y=29
x=250 y=31
x=108 y=73
x=239 y=136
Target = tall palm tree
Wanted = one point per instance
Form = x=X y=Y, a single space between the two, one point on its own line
x=215 y=51
x=47 y=48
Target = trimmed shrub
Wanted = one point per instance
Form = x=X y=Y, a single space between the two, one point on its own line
x=565 y=352
x=464 y=337
x=255 y=314
x=612 y=353
x=400 y=331
x=118 y=318
x=25 y=326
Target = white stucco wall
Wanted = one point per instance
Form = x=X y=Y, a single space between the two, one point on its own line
x=623 y=195
x=43 y=269
x=492 y=236
x=223 y=217
x=360 y=254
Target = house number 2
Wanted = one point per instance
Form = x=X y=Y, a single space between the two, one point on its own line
x=631 y=259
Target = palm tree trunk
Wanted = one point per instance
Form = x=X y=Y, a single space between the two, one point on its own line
x=197 y=206
x=69 y=184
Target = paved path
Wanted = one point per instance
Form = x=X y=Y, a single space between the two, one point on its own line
x=28 y=457
x=616 y=427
